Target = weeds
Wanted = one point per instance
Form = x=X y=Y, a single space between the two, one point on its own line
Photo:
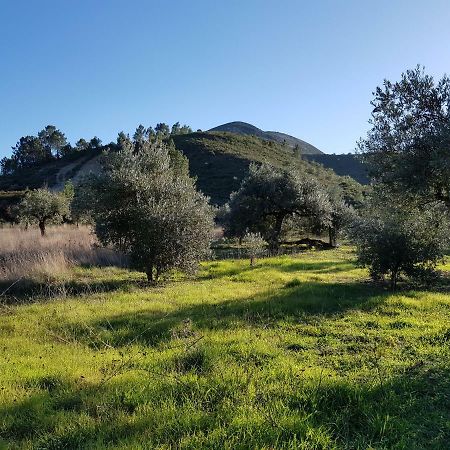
x=41 y=266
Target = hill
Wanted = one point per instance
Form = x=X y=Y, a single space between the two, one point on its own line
x=344 y=165
x=274 y=136
x=220 y=160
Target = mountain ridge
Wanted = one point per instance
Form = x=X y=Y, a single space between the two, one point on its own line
x=245 y=128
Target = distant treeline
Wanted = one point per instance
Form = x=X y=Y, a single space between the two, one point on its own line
x=51 y=144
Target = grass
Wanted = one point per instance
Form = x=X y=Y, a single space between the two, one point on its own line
x=30 y=263
x=297 y=352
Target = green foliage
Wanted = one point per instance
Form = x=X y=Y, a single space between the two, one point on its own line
x=81 y=145
x=53 y=140
x=145 y=204
x=42 y=206
x=407 y=147
x=69 y=190
x=28 y=152
x=220 y=161
x=269 y=196
x=394 y=239
x=255 y=245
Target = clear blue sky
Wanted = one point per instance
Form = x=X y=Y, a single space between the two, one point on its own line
x=306 y=68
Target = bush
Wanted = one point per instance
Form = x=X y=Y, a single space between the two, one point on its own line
x=395 y=241
x=255 y=244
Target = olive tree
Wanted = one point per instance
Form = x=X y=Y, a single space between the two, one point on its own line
x=340 y=217
x=407 y=147
x=395 y=240
x=255 y=245
x=269 y=196
x=145 y=204
x=42 y=206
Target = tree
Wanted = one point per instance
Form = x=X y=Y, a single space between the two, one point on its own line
x=176 y=127
x=95 y=142
x=268 y=196
x=53 y=140
x=81 y=145
x=144 y=204
x=8 y=166
x=43 y=206
x=255 y=245
x=395 y=240
x=162 y=130
x=185 y=129
x=141 y=134
x=29 y=152
x=67 y=150
x=408 y=145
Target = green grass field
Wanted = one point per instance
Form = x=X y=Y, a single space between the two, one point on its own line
x=297 y=352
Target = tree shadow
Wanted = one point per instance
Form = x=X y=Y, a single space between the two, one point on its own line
x=29 y=291
x=292 y=303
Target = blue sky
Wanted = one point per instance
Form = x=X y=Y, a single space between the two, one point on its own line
x=306 y=68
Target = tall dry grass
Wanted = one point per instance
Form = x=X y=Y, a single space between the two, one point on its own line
x=24 y=254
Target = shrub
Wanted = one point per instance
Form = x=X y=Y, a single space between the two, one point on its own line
x=395 y=241
x=255 y=244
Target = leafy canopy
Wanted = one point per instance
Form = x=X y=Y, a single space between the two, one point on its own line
x=42 y=206
x=408 y=146
x=145 y=204
x=268 y=196
x=395 y=238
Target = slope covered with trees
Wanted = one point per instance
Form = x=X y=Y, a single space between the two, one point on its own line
x=220 y=161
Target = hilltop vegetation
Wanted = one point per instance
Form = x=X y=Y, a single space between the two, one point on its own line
x=220 y=161
x=247 y=129
x=343 y=165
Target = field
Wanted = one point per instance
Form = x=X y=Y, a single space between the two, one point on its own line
x=296 y=352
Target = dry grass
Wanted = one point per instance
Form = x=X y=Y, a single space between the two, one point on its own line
x=24 y=254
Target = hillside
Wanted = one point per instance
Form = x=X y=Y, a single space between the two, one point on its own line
x=53 y=174
x=220 y=160
x=274 y=136
x=344 y=165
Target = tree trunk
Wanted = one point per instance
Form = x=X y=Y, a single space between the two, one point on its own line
x=42 y=227
x=394 y=276
x=149 y=273
x=332 y=236
x=252 y=261
x=275 y=238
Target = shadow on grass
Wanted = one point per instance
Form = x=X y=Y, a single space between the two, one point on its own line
x=284 y=304
x=409 y=410
x=26 y=290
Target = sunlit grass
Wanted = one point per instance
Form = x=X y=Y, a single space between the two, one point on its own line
x=297 y=352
